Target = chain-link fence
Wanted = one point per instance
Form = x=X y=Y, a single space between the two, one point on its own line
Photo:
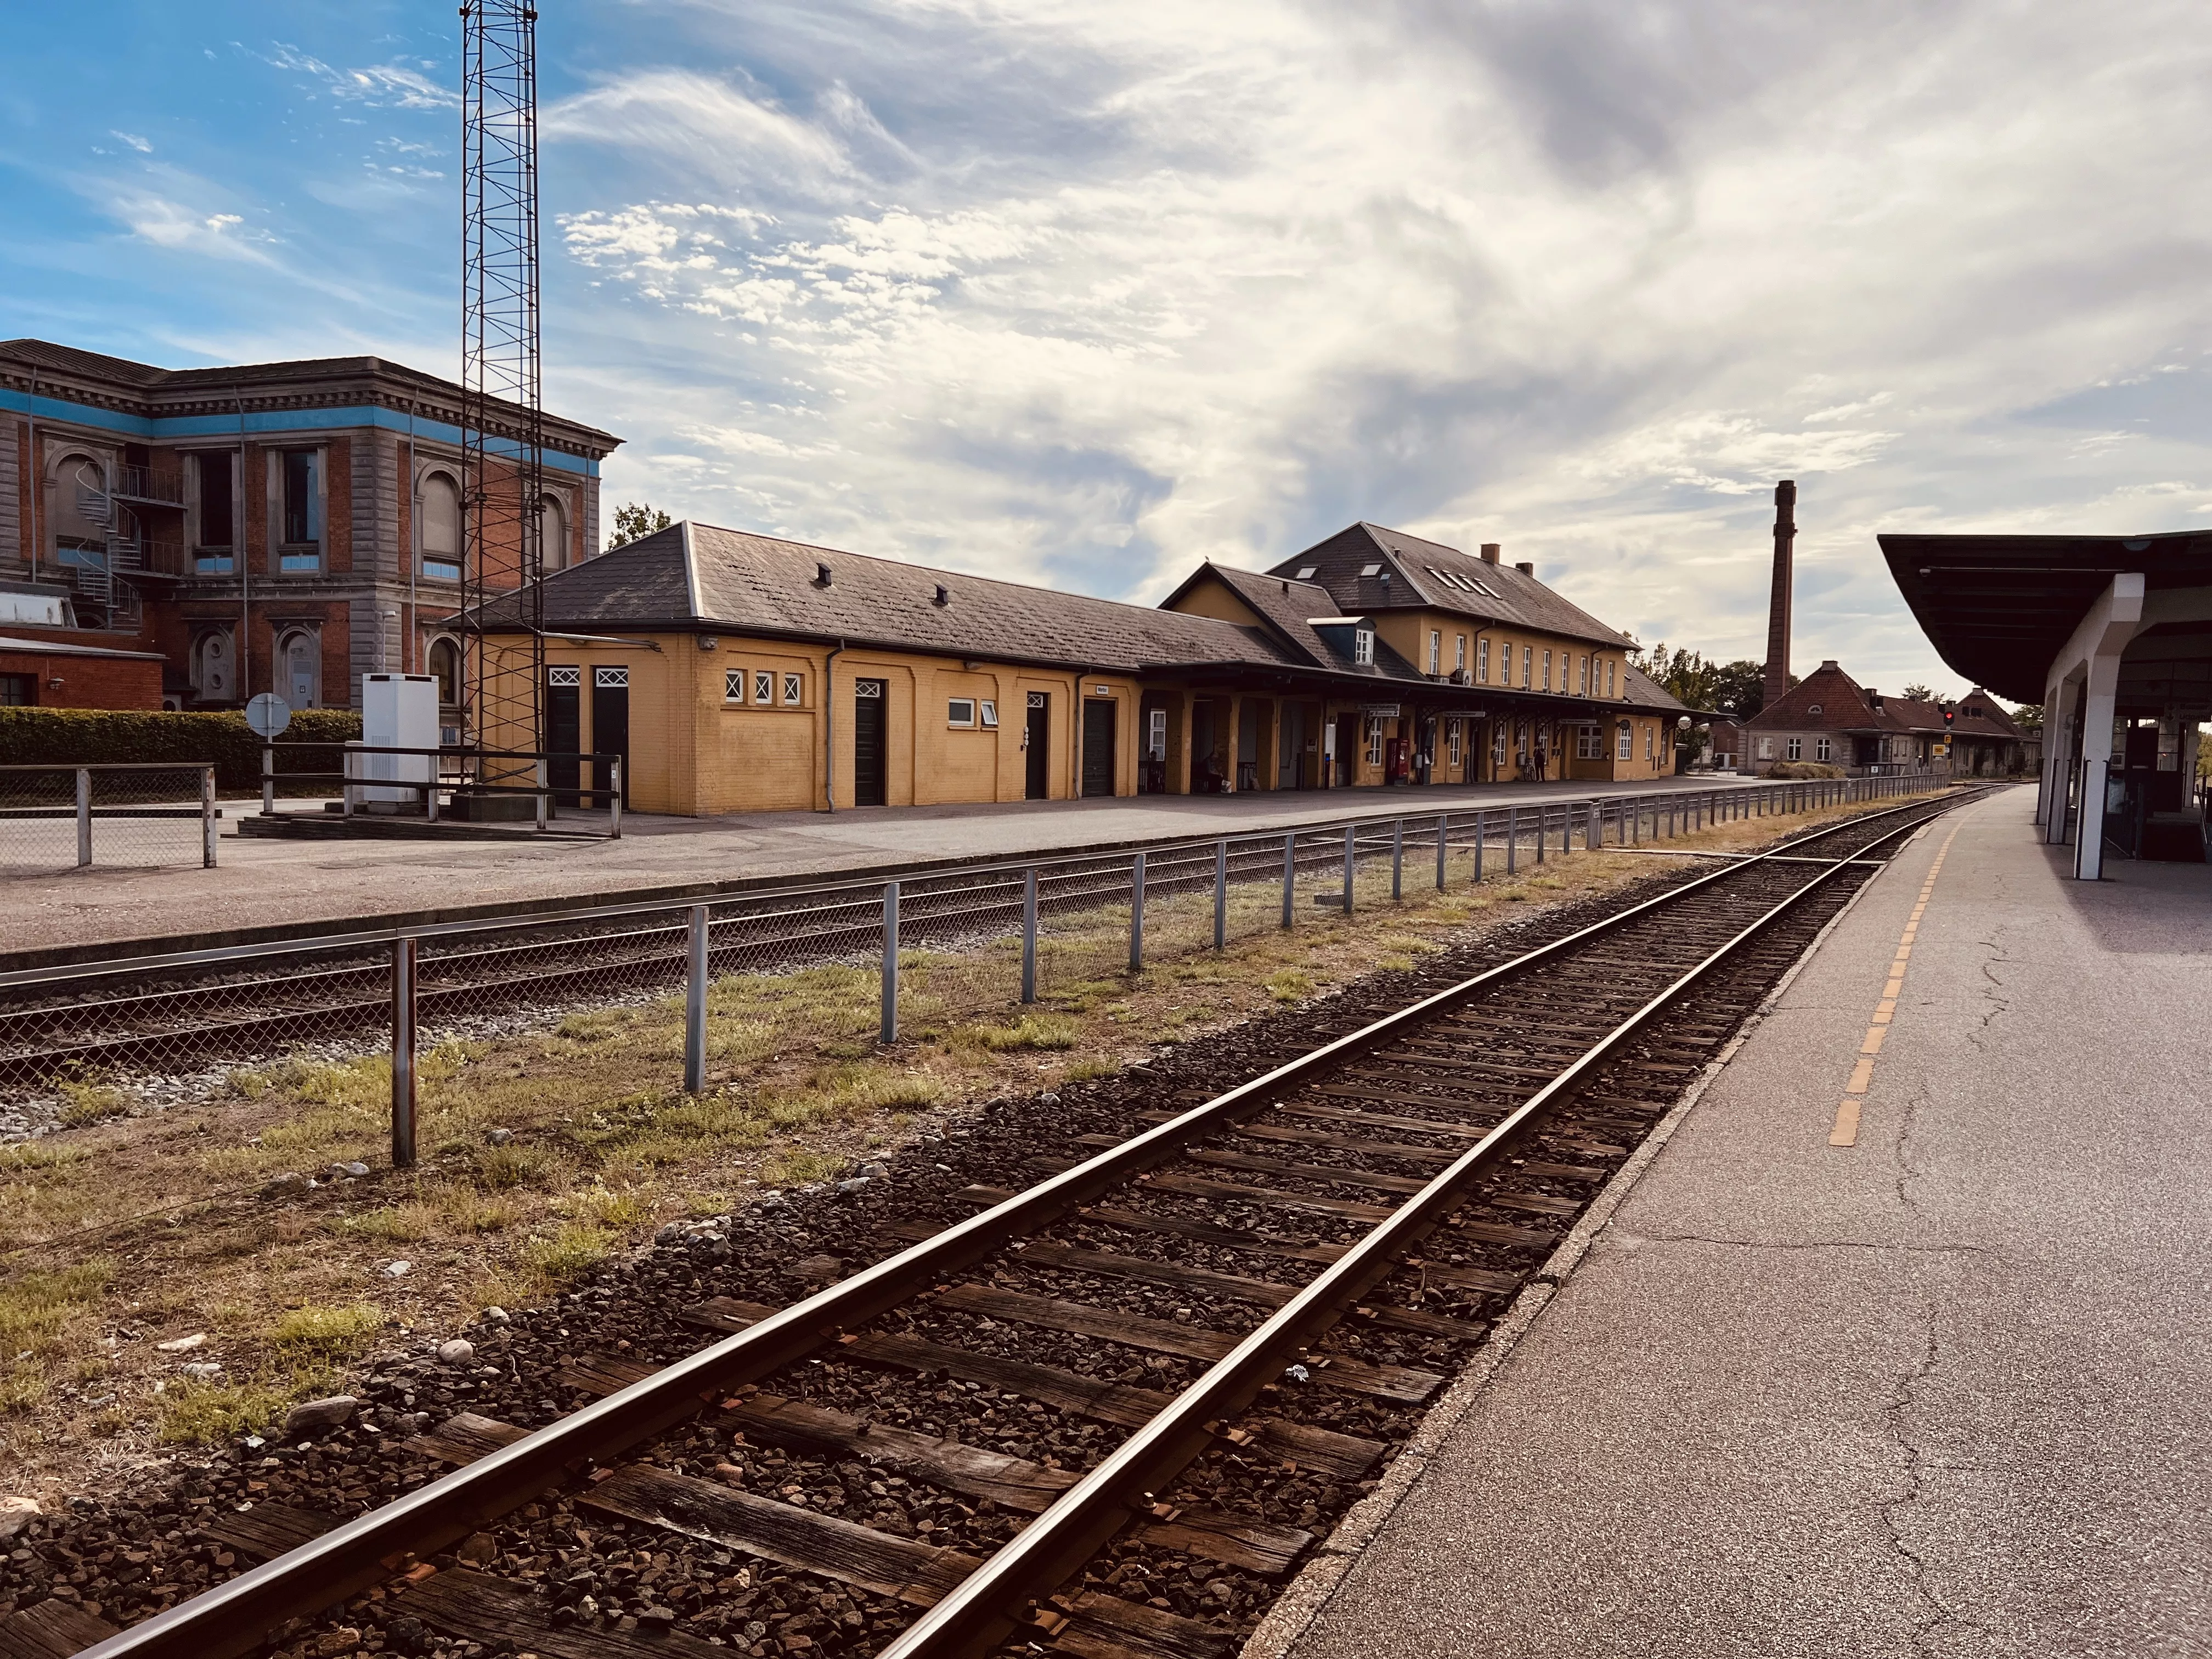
x=67 y=817
x=710 y=992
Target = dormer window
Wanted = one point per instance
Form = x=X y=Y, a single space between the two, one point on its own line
x=1363 y=646
x=1814 y=709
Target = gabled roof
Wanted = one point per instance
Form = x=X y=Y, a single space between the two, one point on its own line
x=1829 y=700
x=1288 y=609
x=1425 y=573
x=699 y=577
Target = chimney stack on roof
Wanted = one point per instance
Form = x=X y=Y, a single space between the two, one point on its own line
x=1525 y=567
x=1491 y=550
x=1777 y=678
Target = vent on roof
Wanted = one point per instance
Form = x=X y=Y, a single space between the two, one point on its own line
x=1306 y=572
x=1813 y=709
x=943 y=595
x=1526 y=568
x=1370 y=569
x=821 y=573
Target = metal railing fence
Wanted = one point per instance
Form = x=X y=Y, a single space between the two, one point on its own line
x=143 y=812
x=838 y=967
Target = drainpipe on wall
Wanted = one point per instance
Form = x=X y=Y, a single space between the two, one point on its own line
x=245 y=553
x=829 y=727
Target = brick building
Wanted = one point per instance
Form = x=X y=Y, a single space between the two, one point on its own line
x=1829 y=719
x=276 y=527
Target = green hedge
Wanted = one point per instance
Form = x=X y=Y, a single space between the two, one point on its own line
x=84 y=737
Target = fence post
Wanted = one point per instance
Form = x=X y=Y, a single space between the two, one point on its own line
x=1443 y=844
x=614 y=801
x=1594 y=827
x=268 y=779
x=542 y=799
x=1220 y=894
x=403 y=1053
x=695 y=1001
x=1137 y=913
x=1397 y=860
x=83 y=816
x=888 y=1032
x=1290 y=876
x=1351 y=865
x=1512 y=837
x=1029 y=935
x=207 y=818
x=1481 y=817
x=1543 y=824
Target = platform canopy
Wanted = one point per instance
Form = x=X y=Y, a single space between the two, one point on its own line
x=2000 y=609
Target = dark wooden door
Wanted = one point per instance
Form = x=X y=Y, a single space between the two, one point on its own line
x=1038 y=754
x=611 y=729
x=871 y=741
x=1098 y=748
x=564 y=732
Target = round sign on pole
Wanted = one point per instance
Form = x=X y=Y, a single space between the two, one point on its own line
x=268 y=714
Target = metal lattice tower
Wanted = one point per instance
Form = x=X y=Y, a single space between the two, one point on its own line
x=503 y=426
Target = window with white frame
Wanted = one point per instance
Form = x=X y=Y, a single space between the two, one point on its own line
x=1795 y=748
x=1482 y=661
x=794 y=689
x=1650 y=743
x=1766 y=749
x=1626 y=748
x=1497 y=744
x=960 y=711
x=987 y=712
x=1363 y=645
x=1582 y=675
x=734 y=685
x=1528 y=666
x=1156 y=734
x=1823 y=749
x=1589 y=742
x=441 y=527
x=1608 y=676
x=1459 y=652
x=1374 y=740
x=1452 y=742
x=1547 y=673
x=1436 y=651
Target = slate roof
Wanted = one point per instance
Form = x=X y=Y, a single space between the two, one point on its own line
x=1429 y=573
x=1845 y=705
x=695 y=576
x=701 y=578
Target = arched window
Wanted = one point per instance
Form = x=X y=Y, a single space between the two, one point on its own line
x=441 y=527
x=553 y=528
x=81 y=506
x=211 y=670
x=299 y=669
x=446 y=666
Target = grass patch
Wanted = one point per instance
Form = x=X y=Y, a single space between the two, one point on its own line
x=35 y=1306
x=570 y=1253
x=87 y=1103
x=195 y=1413
x=1029 y=1031
x=1290 y=985
x=1093 y=1065
x=34 y=1154
x=326 y=1332
x=796 y=1167
x=500 y=1169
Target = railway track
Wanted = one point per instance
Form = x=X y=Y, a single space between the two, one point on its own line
x=1238 y=1306
x=202 y=1008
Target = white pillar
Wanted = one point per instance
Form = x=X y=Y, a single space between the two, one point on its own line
x=2096 y=764
x=2059 y=751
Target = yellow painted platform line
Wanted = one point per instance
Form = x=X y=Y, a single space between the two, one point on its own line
x=1845 y=1131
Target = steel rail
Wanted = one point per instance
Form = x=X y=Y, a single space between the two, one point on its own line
x=365 y=939
x=975 y=1615
x=234 y=1618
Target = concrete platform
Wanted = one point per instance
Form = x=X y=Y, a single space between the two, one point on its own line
x=1946 y=1391
x=272 y=883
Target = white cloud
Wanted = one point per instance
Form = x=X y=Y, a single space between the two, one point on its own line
x=1009 y=284
x=143 y=146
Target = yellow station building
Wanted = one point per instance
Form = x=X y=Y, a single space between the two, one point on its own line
x=737 y=672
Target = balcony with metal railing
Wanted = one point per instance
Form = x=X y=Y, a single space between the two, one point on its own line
x=147 y=485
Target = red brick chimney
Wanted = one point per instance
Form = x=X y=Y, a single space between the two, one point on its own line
x=1490 y=550
x=1776 y=680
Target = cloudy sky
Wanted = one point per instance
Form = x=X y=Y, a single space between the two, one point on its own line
x=1083 y=291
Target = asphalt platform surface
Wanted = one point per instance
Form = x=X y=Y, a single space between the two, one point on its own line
x=146 y=882
x=1944 y=1392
